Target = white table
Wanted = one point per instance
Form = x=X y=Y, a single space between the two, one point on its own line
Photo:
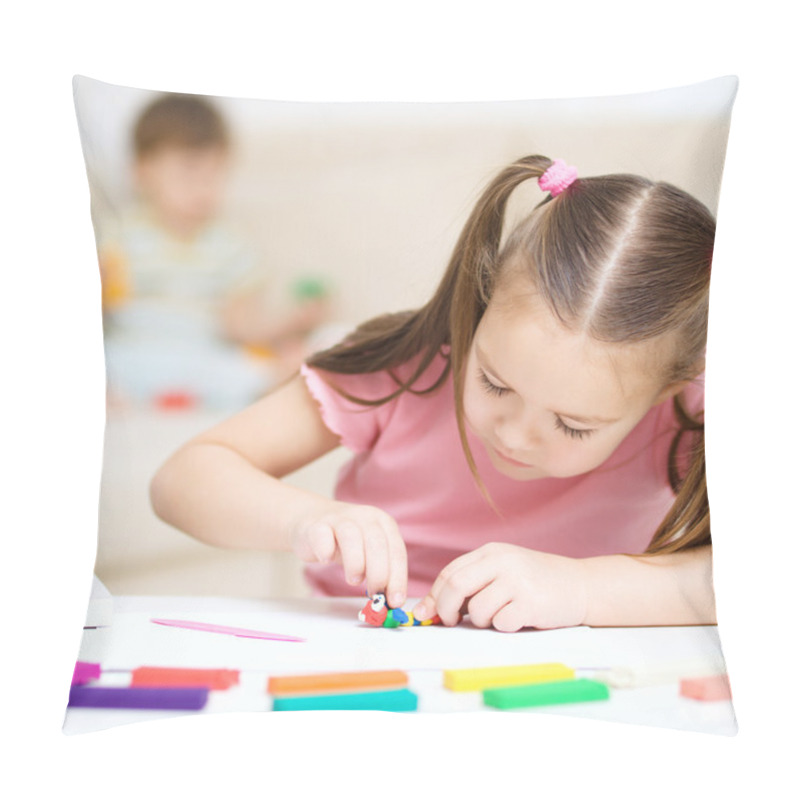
x=336 y=641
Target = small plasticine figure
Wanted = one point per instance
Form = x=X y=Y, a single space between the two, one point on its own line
x=377 y=613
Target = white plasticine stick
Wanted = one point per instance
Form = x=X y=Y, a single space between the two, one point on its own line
x=624 y=677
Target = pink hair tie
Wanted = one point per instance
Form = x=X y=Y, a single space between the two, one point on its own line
x=557 y=177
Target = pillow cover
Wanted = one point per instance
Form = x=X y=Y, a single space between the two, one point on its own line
x=235 y=238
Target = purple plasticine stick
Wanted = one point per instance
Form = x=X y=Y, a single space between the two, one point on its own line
x=116 y=697
x=242 y=632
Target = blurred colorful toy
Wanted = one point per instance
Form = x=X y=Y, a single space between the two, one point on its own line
x=175 y=401
x=376 y=612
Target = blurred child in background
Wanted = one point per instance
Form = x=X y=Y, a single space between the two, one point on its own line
x=187 y=314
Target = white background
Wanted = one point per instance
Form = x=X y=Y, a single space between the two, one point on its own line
x=53 y=402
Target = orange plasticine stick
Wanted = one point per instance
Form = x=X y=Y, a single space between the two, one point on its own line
x=335 y=681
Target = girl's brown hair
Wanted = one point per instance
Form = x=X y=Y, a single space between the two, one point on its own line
x=620 y=257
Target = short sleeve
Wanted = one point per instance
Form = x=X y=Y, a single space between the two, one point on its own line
x=358 y=426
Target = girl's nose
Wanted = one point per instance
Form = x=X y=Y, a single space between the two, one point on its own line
x=518 y=436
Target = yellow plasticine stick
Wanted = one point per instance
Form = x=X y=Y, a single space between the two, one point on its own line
x=475 y=680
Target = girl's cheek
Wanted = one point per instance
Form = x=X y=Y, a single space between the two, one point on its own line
x=469 y=406
x=477 y=416
x=570 y=458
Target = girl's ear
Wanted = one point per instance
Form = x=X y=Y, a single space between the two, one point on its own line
x=671 y=389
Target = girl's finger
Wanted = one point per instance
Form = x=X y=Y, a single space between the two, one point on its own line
x=350 y=540
x=509 y=618
x=428 y=606
x=484 y=605
x=425 y=609
x=451 y=569
x=397 y=581
x=376 y=554
x=320 y=544
x=458 y=586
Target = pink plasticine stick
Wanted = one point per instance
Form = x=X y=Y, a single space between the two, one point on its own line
x=242 y=632
x=713 y=687
x=84 y=672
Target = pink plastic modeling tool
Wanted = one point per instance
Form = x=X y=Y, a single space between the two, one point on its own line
x=242 y=632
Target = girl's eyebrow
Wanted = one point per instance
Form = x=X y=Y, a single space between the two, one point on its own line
x=576 y=417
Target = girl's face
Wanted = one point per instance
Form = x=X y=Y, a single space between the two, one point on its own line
x=547 y=402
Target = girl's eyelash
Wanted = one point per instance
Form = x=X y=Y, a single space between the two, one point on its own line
x=572 y=432
x=499 y=391
x=491 y=388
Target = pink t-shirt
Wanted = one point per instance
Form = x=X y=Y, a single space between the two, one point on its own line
x=408 y=461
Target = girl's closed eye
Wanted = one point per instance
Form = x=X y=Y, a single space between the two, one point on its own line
x=574 y=433
x=491 y=388
x=499 y=391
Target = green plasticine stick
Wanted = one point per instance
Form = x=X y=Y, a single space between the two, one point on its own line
x=545 y=694
x=396 y=700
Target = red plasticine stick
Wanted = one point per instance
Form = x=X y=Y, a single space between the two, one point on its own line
x=183 y=677
x=242 y=632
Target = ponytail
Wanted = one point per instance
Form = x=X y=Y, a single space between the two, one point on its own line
x=687 y=523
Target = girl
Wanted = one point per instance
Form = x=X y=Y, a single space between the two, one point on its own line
x=528 y=445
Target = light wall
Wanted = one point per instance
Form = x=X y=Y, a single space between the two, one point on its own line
x=372 y=196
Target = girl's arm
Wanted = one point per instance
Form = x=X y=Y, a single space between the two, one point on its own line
x=223 y=488
x=671 y=589
x=510 y=587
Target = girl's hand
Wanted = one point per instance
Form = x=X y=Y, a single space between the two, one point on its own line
x=508 y=587
x=364 y=539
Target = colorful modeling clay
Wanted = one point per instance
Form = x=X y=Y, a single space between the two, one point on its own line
x=545 y=694
x=192 y=699
x=180 y=677
x=714 y=687
x=84 y=672
x=321 y=682
x=474 y=680
x=395 y=700
x=376 y=612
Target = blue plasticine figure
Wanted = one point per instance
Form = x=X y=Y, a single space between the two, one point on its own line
x=376 y=612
